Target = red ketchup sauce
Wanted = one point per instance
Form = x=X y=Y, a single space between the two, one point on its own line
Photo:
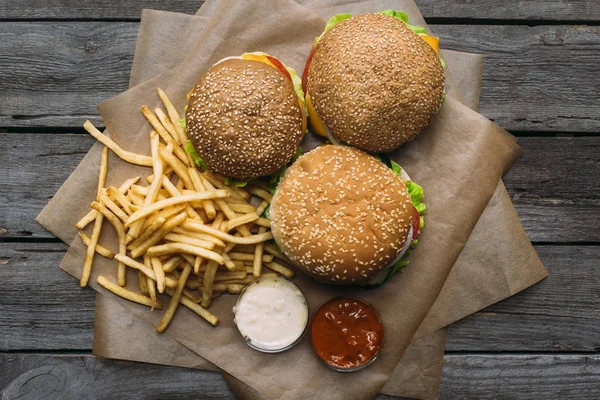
x=346 y=333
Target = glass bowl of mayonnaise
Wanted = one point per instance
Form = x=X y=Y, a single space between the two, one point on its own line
x=271 y=314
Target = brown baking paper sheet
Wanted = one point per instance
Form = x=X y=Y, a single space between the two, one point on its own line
x=418 y=373
x=485 y=153
x=93 y=180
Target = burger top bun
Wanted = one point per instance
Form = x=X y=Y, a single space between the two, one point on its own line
x=375 y=83
x=244 y=118
x=341 y=215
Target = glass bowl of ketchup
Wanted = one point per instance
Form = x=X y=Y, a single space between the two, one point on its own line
x=347 y=334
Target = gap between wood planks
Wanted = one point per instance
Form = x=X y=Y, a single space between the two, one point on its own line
x=430 y=21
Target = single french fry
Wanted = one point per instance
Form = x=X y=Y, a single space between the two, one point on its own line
x=160 y=273
x=172 y=307
x=184 y=248
x=151 y=290
x=241 y=220
x=231 y=288
x=229 y=264
x=159 y=234
x=179 y=167
x=158 y=127
x=175 y=237
x=91 y=251
x=193 y=284
x=103 y=251
x=166 y=123
x=241 y=208
x=146 y=234
x=269 y=248
x=190 y=295
x=184 y=198
x=198 y=309
x=261 y=208
x=126 y=294
x=116 y=223
x=263 y=194
x=229 y=275
x=197 y=227
x=130 y=262
x=143 y=279
x=280 y=269
x=216 y=224
x=197 y=264
x=258 y=255
x=130 y=157
x=173 y=116
x=172 y=263
x=103 y=171
x=209 y=276
x=208 y=205
x=249 y=257
x=262 y=222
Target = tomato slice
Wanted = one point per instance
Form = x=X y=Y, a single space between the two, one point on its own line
x=416 y=222
x=279 y=66
x=306 y=66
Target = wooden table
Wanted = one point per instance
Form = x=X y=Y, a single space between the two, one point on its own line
x=59 y=59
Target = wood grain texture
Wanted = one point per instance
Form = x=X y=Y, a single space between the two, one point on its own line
x=555 y=204
x=521 y=377
x=535 y=78
x=44 y=308
x=553 y=10
x=31 y=376
x=25 y=376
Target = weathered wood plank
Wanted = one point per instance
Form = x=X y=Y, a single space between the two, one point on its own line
x=33 y=376
x=555 y=204
x=34 y=166
x=521 y=377
x=562 y=313
x=43 y=308
x=535 y=78
x=553 y=10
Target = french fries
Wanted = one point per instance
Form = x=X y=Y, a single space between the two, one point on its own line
x=188 y=233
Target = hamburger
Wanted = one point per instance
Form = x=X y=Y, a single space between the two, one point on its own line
x=245 y=117
x=373 y=81
x=343 y=217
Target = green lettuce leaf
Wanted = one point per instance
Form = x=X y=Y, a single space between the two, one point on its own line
x=235 y=182
x=336 y=19
x=404 y=18
x=189 y=148
x=297 y=81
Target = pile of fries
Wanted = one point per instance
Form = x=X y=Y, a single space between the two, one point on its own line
x=187 y=232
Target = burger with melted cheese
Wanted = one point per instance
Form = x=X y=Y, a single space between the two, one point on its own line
x=344 y=217
x=246 y=117
x=373 y=81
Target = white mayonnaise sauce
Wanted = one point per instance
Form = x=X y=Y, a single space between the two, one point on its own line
x=271 y=314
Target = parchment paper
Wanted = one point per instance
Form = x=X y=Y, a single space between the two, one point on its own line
x=460 y=150
x=93 y=180
x=418 y=373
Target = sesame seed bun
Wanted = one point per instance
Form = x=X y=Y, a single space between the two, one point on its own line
x=375 y=83
x=341 y=215
x=244 y=118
